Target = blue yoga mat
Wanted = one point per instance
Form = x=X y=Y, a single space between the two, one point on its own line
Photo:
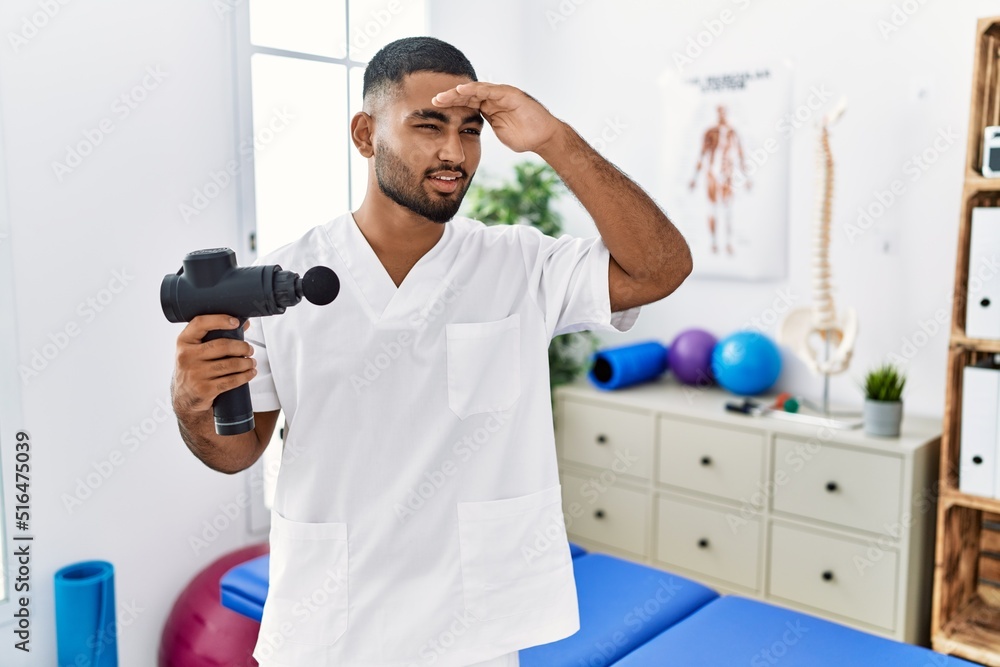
x=617 y=367
x=85 y=615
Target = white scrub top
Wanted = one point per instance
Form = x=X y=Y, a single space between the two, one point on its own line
x=417 y=516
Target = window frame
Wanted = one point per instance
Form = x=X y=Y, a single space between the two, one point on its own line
x=243 y=50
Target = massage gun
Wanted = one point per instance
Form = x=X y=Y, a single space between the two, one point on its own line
x=210 y=282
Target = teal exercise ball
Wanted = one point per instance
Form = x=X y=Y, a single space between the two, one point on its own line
x=746 y=363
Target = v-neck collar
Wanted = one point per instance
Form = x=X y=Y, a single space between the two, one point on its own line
x=381 y=294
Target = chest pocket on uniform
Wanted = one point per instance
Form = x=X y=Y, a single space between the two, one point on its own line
x=484 y=365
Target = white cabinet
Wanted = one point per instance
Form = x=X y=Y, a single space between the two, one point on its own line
x=831 y=522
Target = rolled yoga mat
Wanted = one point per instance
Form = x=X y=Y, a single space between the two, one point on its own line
x=618 y=367
x=85 y=615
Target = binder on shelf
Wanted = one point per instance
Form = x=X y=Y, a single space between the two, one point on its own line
x=982 y=308
x=978 y=474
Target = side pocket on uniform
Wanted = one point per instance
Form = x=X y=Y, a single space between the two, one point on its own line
x=514 y=554
x=309 y=562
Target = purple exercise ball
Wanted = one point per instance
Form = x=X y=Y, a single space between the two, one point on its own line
x=690 y=356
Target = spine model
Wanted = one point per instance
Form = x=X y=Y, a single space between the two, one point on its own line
x=819 y=336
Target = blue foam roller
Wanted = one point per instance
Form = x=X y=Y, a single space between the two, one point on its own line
x=617 y=367
x=85 y=615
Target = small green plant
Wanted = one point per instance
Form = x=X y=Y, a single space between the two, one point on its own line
x=527 y=200
x=884 y=383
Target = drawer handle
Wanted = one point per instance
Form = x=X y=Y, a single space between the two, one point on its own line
x=977 y=459
x=601 y=439
x=599 y=514
x=828 y=575
x=831 y=487
x=703 y=543
x=706 y=460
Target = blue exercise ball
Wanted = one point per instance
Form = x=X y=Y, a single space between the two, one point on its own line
x=746 y=363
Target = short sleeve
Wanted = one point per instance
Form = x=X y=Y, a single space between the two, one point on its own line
x=568 y=278
x=263 y=393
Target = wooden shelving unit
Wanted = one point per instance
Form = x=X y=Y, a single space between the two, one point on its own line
x=965 y=615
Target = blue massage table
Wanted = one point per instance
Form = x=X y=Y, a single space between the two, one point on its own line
x=632 y=615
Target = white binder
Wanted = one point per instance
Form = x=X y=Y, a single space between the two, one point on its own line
x=977 y=473
x=982 y=308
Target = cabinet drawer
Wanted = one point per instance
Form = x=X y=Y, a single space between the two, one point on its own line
x=839 y=485
x=711 y=459
x=609 y=438
x=610 y=515
x=708 y=541
x=841 y=576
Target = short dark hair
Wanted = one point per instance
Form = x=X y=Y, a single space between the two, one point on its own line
x=396 y=60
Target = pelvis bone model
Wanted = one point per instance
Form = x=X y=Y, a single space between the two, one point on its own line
x=818 y=335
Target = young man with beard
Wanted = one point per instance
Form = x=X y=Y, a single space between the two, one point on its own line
x=417 y=518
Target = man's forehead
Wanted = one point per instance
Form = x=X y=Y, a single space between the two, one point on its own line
x=418 y=88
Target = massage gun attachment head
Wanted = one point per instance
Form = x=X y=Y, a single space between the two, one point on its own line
x=210 y=282
x=319 y=285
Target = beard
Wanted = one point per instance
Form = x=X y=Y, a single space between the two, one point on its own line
x=401 y=184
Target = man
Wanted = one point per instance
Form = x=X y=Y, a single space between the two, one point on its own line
x=417 y=517
x=717 y=147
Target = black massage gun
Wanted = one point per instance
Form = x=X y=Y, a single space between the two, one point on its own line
x=210 y=282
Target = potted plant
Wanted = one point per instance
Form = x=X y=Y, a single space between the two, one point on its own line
x=883 y=388
x=527 y=200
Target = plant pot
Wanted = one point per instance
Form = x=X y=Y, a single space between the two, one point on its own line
x=883 y=418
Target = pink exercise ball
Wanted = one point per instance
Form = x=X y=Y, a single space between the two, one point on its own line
x=200 y=632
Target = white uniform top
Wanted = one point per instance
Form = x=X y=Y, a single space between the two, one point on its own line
x=417 y=516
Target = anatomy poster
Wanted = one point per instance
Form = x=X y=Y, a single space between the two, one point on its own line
x=724 y=162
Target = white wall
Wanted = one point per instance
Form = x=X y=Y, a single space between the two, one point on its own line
x=116 y=212
x=594 y=61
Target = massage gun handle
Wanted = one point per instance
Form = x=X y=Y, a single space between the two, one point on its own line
x=233 y=409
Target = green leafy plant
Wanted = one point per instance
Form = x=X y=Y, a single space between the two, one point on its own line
x=884 y=383
x=527 y=200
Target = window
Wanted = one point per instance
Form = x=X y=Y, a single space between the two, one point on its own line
x=306 y=63
x=299 y=74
